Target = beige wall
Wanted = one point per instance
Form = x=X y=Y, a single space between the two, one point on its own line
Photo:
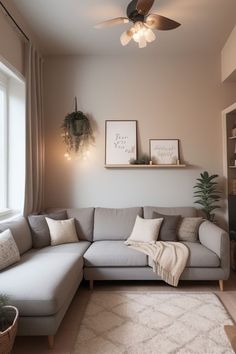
x=228 y=57
x=171 y=97
x=11 y=45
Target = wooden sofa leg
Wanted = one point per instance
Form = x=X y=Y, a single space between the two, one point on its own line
x=50 y=342
x=91 y=284
x=221 y=284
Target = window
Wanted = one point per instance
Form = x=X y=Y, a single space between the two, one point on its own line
x=12 y=142
x=3 y=143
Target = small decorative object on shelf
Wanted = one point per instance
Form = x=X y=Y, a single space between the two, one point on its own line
x=234 y=129
x=233 y=159
x=143 y=160
x=8 y=325
x=207 y=194
x=233 y=186
x=77 y=133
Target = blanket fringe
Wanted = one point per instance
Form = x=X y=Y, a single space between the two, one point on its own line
x=165 y=275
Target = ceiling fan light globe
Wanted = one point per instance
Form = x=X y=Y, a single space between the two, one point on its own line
x=136 y=37
x=142 y=41
x=149 y=35
x=125 y=38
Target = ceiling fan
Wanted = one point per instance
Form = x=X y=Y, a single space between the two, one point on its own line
x=143 y=23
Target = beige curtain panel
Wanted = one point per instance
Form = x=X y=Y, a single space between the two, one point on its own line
x=34 y=132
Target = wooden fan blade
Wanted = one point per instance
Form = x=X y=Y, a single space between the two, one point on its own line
x=162 y=23
x=143 y=6
x=112 y=22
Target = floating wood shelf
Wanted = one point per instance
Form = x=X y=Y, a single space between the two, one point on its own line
x=145 y=166
x=232 y=166
x=232 y=137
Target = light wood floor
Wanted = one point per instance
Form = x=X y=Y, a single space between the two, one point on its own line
x=67 y=332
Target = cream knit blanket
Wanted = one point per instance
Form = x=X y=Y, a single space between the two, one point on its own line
x=169 y=258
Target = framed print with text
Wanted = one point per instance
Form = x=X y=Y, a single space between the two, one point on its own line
x=120 y=141
x=164 y=151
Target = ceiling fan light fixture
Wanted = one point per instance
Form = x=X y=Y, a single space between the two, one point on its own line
x=142 y=35
x=144 y=22
x=142 y=41
x=149 y=35
x=125 y=38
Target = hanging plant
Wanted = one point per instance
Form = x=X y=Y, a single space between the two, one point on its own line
x=77 y=131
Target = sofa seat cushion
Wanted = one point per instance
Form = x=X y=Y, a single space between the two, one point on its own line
x=113 y=254
x=199 y=256
x=41 y=282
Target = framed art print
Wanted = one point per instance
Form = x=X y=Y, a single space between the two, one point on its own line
x=120 y=141
x=164 y=151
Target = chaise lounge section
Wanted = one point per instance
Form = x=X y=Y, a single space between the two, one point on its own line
x=44 y=282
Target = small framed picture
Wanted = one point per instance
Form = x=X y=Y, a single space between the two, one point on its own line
x=120 y=141
x=164 y=151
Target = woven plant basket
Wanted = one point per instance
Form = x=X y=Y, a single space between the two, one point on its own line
x=7 y=337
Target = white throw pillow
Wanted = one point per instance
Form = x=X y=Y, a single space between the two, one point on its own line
x=145 y=230
x=62 y=231
x=9 y=253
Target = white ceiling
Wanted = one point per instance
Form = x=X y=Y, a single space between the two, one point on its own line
x=67 y=26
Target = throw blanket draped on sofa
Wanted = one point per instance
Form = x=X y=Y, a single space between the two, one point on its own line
x=169 y=258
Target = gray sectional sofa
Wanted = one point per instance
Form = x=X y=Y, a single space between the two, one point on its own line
x=43 y=283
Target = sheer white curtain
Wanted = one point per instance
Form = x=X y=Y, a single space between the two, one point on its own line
x=34 y=132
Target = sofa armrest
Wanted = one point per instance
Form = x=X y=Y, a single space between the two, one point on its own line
x=217 y=240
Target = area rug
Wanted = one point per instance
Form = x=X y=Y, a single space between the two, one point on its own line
x=153 y=323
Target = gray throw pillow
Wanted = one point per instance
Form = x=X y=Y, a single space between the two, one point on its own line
x=39 y=227
x=168 y=231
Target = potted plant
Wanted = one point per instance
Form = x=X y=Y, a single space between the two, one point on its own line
x=77 y=131
x=8 y=325
x=143 y=160
x=207 y=194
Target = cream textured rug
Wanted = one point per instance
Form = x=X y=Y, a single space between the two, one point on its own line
x=153 y=323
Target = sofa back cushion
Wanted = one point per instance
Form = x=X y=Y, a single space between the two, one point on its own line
x=183 y=211
x=39 y=227
x=114 y=224
x=20 y=231
x=84 y=218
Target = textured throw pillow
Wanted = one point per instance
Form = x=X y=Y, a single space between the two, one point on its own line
x=188 y=229
x=168 y=231
x=62 y=231
x=145 y=230
x=9 y=253
x=40 y=230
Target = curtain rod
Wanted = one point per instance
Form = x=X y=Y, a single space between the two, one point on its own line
x=13 y=20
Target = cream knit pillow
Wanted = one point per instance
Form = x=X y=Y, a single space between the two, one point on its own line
x=9 y=253
x=188 y=229
x=62 y=231
x=145 y=230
